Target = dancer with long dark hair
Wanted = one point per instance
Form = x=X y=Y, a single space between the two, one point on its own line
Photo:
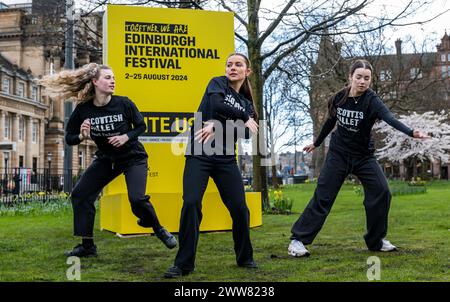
x=227 y=100
x=355 y=110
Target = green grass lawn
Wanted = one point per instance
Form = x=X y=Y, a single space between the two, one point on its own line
x=32 y=246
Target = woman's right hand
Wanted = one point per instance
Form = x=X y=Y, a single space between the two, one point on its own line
x=205 y=133
x=85 y=129
x=309 y=148
x=252 y=125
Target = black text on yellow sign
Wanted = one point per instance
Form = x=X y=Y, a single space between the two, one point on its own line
x=167 y=123
x=159 y=45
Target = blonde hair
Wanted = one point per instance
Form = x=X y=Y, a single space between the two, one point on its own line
x=73 y=83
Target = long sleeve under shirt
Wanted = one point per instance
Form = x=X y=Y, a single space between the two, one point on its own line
x=230 y=110
x=355 y=121
x=119 y=116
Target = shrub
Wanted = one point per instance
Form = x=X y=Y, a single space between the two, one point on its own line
x=280 y=204
x=34 y=204
x=418 y=182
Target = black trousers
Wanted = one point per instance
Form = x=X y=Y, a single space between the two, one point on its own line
x=98 y=175
x=231 y=188
x=376 y=202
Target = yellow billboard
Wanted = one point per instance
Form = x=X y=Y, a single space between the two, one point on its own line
x=163 y=60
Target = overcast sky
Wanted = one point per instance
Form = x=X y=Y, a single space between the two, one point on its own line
x=434 y=30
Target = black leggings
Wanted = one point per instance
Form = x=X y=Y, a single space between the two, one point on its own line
x=377 y=198
x=231 y=188
x=99 y=174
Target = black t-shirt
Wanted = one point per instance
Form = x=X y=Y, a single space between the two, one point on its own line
x=119 y=116
x=230 y=110
x=355 y=119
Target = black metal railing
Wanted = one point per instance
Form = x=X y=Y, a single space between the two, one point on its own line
x=25 y=185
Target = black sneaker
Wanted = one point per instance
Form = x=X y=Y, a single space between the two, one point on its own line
x=176 y=272
x=248 y=264
x=81 y=251
x=167 y=238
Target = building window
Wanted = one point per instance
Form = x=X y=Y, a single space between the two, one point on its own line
x=34 y=132
x=81 y=159
x=21 y=161
x=393 y=94
x=21 y=128
x=385 y=75
x=448 y=57
x=34 y=93
x=21 y=89
x=7 y=126
x=34 y=164
x=442 y=57
x=415 y=73
x=6 y=84
x=444 y=71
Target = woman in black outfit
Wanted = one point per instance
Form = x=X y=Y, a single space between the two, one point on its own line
x=228 y=111
x=114 y=124
x=355 y=110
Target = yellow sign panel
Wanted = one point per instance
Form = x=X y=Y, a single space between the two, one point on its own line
x=163 y=60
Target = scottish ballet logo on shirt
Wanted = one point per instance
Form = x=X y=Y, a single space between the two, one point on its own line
x=349 y=119
x=231 y=101
x=105 y=124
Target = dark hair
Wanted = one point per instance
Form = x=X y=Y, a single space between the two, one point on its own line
x=246 y=88
x=360 y=63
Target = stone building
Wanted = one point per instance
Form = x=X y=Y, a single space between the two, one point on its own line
x=22 y=118
x=32 y=39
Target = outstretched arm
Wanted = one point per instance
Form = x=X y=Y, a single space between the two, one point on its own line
x=388 y=117
x=326 y=129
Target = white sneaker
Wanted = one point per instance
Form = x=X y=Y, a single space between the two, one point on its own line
x=387 y=246
x=297 y=249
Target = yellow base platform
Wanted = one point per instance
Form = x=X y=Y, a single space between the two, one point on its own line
x=116 y=215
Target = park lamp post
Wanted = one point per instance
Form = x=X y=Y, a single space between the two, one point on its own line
x=49 y=160
x=6 y=154
x=5 y=182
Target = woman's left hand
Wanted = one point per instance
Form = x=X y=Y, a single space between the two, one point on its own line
x=206 y=133
x=118 y=140
x=420 y=134
x=252 y=125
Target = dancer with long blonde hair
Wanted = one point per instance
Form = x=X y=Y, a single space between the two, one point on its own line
x=114 y=124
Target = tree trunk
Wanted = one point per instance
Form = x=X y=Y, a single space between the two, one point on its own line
x=257 y=82
x=274 y=177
